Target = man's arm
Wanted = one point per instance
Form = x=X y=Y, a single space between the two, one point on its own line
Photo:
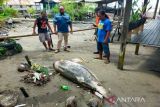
x=34 y=27
x=49 y=27
x=55 y=28
x=70 y=25
x=107 y=36
x=55 y=24
x=108 y=28
x=94 y=25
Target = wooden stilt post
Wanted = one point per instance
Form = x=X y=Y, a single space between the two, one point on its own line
x=138 y=45
x=137 y=49
x=155 y=11
x=145 y=4
x=124 y=34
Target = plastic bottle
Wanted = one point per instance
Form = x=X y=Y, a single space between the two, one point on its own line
x=65 y=87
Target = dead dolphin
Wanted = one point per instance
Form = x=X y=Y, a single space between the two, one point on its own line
x=79 y=74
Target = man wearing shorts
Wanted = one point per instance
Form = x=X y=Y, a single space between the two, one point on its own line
x=61 y=23
x=104 y=29
x=43 y=25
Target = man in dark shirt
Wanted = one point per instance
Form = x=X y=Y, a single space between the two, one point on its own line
x=43 y=25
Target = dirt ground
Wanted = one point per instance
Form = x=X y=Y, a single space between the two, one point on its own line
x=140 y=77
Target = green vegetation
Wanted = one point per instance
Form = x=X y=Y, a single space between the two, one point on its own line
x=31 y=11
x=2 y=51
x=9 y=47
x=137 y=11
x=75 y=10
x=18 y=48
x=11 y=12
x=2 y=2
x=6 y=12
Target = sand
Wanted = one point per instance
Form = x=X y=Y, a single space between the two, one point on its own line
x=140 y=77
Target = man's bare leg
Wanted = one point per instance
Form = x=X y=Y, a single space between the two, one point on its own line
x=100 y=55
x=45 y=45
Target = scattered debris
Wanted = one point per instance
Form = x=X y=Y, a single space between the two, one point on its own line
x=8 y=98
x=24 y=92
x=38 y=79
x=23 y=67
x=40 y=69
x=28 y=60
x=94 y=103
x=56 y=104
x=71 y=102
x=37 y=74
x=21 y=105
x=65 y=87
x=77 y=60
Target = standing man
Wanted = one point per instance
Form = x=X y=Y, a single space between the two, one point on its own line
x=43 y=25
x=96 y=30
x=104 y=29
x=10 y=22
x=61 y=23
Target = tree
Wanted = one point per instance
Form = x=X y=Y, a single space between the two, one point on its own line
x=74 y=9
x=2 y=2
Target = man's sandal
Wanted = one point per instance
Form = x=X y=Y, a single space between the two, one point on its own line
x=57 y=51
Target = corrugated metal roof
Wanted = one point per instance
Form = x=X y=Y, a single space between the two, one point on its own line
x=25 y=2
x=22 y=2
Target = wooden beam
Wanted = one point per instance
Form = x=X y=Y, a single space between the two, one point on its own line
x=128 y=8
x=155 y=11
x=6 y=37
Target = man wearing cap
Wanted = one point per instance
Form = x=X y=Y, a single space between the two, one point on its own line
x=62 y=22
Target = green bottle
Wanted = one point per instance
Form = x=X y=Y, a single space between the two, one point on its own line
x=65 y=87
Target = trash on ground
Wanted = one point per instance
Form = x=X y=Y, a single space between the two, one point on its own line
x=40 y=69
x=23 y=67
x=38 y=79
x=77 y=60
x=71 y=102
x=94 y=103
x=65 y=87
x=37 y=74
x=20 y=105
x=8 y=98
x=24 y=92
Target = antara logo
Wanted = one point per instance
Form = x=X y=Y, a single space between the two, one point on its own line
x=113 y=100
x=131 y=99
